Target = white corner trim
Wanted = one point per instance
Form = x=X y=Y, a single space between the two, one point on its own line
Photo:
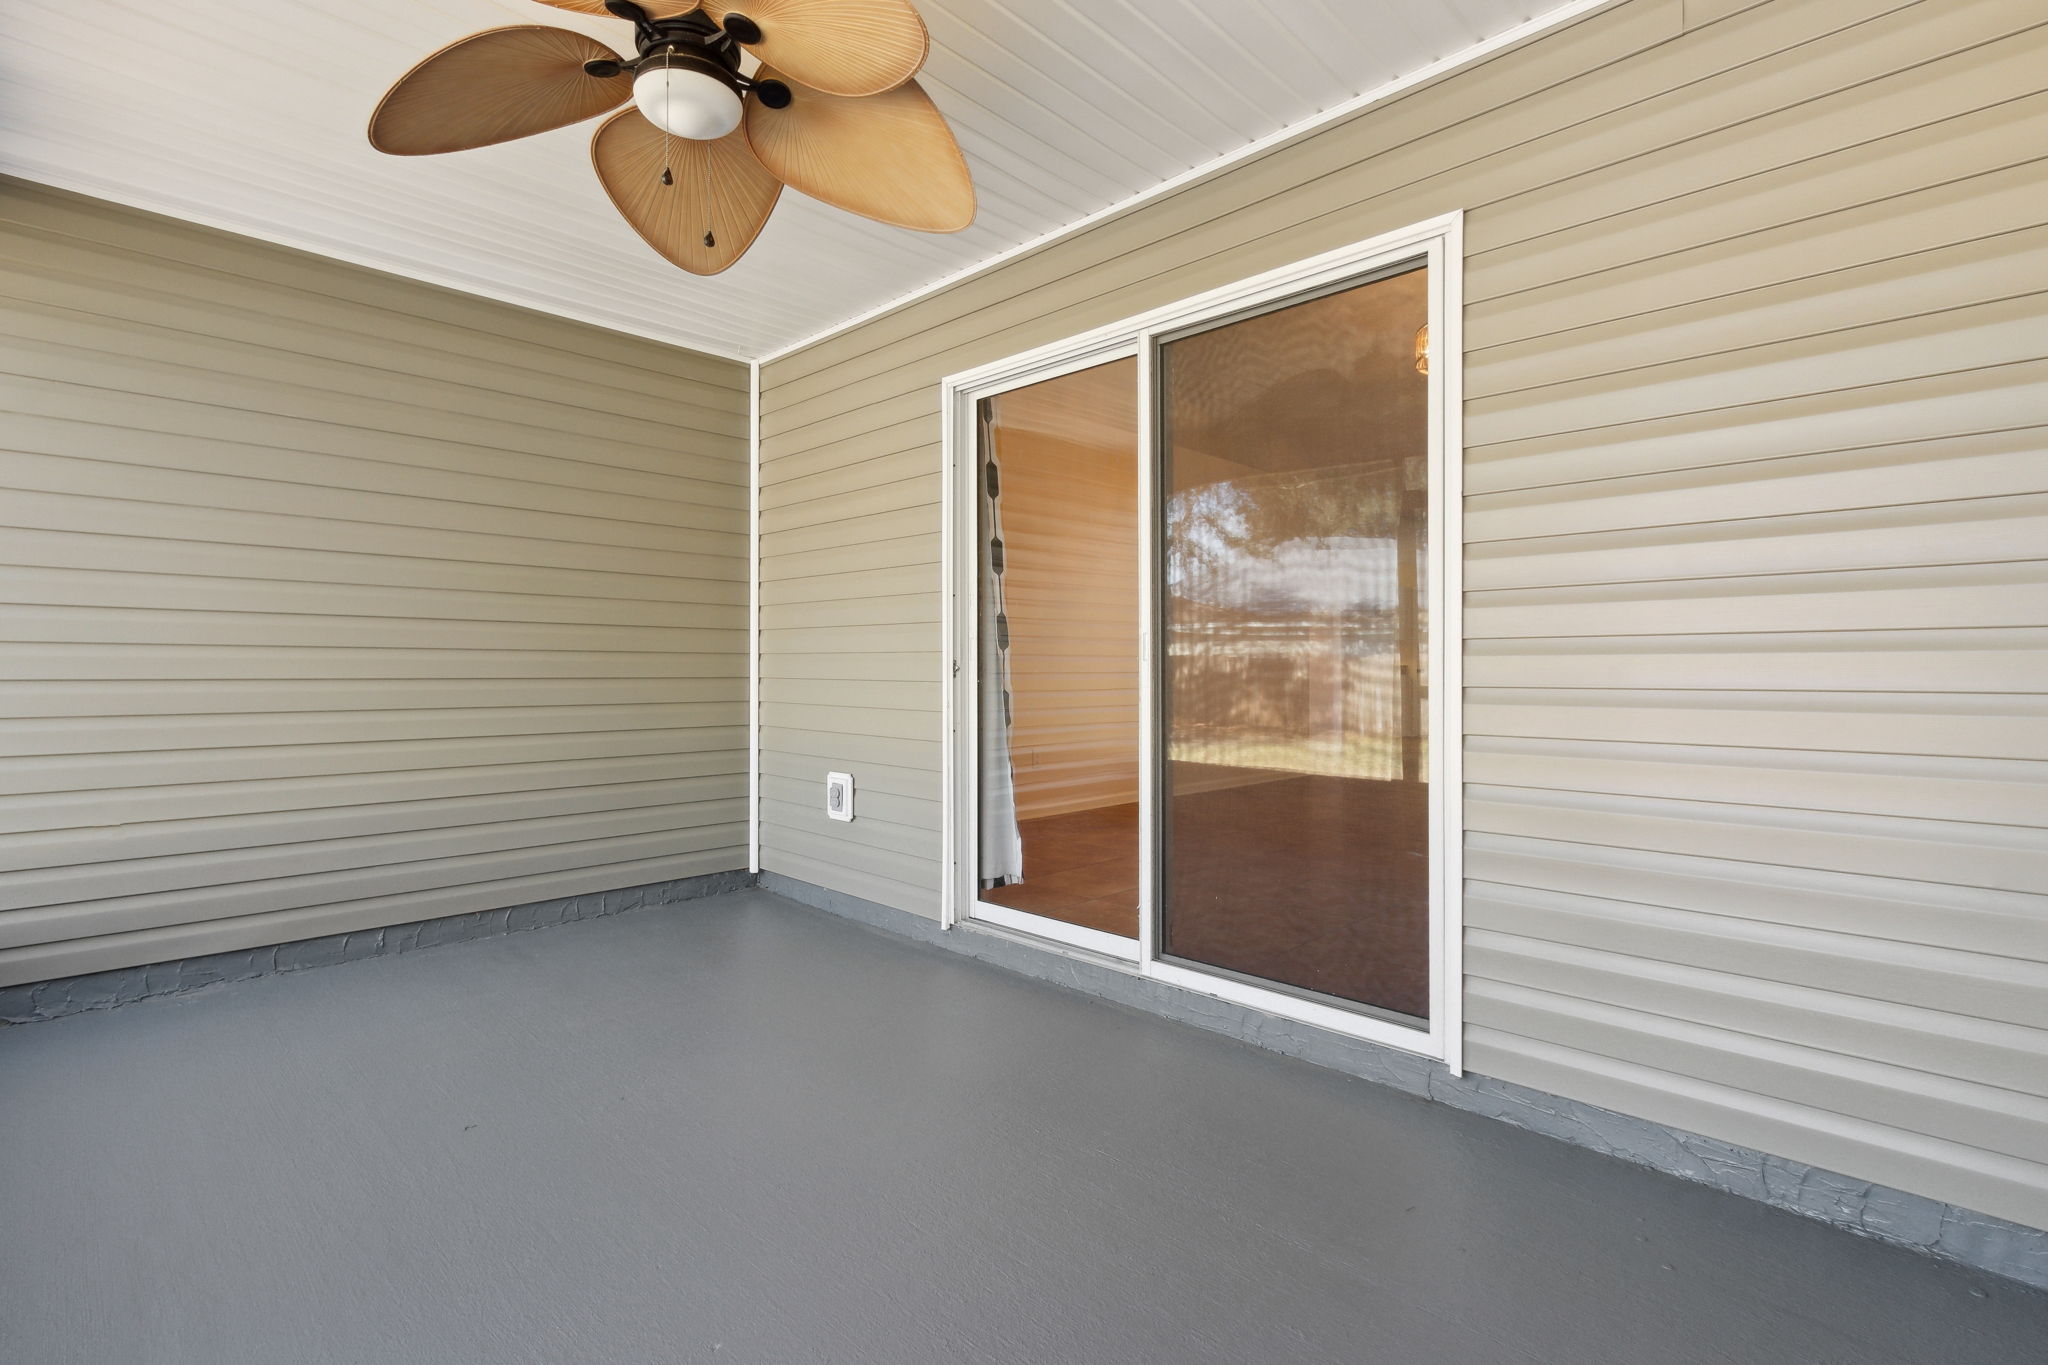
x=1302 y=128
x=1447 y=640
x=167 y=207
x=953 y=443
x=754 y=616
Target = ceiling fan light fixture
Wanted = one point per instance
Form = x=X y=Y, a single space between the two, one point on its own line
x=697 y=151
x=686 y=99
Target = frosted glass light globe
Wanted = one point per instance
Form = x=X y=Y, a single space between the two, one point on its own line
x=687 y=103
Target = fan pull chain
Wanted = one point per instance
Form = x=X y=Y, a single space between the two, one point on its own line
x=709 y=239
x=668 y=161
x=668 y=138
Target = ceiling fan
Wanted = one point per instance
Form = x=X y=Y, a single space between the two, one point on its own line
x=696 y=165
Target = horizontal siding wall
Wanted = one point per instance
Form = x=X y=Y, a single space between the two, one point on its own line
x=1757 y=317
x=332 y=601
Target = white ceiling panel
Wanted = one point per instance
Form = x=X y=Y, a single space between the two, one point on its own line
x=202 y=110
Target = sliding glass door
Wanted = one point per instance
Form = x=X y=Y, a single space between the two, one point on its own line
x=1293 y=524
x=1057 y=713
x=1204 y=673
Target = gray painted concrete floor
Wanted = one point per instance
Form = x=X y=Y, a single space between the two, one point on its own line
x=738 y=1130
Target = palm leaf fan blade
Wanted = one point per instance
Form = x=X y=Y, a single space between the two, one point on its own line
x=843 y=47
x=496 y=86
x=656 y=9
x=700 y=204
x=890 y=157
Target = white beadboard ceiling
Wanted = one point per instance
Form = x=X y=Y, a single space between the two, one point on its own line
x=251 y=118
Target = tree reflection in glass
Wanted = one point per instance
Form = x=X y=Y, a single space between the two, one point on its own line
x=1294 y=810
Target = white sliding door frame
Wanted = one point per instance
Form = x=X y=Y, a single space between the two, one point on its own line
x=1436 y=243
x=961 y=554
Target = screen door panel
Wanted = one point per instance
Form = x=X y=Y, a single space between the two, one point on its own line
x=1293 y=814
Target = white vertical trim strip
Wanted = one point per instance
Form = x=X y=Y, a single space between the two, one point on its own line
x=1447 y=636
x=1149 y=938
x=754 y=616
x=954 y=673
x=1337 y=113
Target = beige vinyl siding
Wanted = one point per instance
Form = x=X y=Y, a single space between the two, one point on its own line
x=1757 y=380
x=329 y=600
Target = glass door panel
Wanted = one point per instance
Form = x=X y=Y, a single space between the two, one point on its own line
x=1293 y=806
x=1057 y=681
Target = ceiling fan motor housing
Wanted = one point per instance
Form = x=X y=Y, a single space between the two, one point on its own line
x=692 y=39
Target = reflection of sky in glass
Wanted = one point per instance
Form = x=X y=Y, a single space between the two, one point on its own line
x=1331 y=576
x=1248 y=545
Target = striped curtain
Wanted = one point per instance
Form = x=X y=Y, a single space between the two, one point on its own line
x=1002 y=844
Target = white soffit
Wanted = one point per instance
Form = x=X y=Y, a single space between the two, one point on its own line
x=251 y=119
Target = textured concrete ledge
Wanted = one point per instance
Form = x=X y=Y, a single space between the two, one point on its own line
x=41 y=1000
x=1858 y=1206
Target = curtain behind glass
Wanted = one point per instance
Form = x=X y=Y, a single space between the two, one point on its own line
x=1002 y=844
x=1058 y=689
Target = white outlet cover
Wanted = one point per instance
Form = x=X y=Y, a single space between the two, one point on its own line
x=839 y=796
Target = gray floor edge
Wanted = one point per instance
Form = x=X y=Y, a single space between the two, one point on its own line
x=1857 y=1206
x=1914 y=1221
x=36 y=1001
